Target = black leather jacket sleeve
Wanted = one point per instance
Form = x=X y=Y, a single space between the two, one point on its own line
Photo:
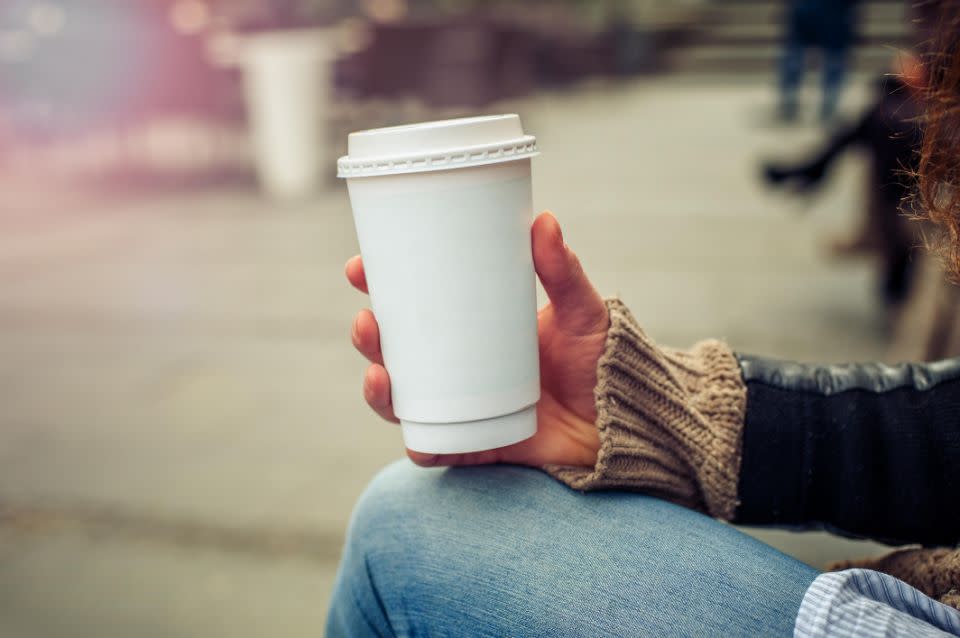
x=865 y=450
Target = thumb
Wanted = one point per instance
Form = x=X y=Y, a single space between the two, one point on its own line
x=578 y=307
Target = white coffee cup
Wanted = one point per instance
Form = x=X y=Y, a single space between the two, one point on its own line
x=443 y=213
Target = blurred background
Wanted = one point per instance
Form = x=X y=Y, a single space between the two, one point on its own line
x=182 y=433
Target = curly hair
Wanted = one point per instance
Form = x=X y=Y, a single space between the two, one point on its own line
x=938 y=173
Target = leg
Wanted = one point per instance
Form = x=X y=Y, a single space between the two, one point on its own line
x=810 y=174
x=505 y=550
x=834 y=68
x=897 y=243
x=791 y=74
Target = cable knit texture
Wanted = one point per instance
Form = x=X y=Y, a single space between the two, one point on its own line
x=935 y=571
x=670 y=421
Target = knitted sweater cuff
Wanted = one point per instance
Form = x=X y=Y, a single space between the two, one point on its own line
x=670 y=422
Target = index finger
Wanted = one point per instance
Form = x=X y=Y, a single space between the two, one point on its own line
x=355 y=273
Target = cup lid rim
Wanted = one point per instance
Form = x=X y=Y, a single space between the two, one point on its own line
x=436 y=124
x=465 y=157
x=438 y=145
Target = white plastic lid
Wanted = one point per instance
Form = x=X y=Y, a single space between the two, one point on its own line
x=434 y=146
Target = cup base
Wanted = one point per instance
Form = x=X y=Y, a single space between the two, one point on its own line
x=470 y=436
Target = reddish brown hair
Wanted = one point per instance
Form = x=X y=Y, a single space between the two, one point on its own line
x=939 y=167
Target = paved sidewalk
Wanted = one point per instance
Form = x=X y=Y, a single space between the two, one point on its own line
x=182 y=433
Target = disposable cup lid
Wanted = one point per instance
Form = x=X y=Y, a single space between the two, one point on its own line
x=433 y=146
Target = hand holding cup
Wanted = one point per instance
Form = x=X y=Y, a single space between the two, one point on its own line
x=571 y=330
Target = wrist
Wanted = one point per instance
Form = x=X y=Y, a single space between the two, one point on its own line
x=669 y=422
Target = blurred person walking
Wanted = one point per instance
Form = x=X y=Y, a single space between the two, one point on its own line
x=825 y=25
x=705 y=435
x=890 y=133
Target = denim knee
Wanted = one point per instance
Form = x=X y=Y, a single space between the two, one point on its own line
x=389 y=501
x=387 y=525
x=408 y=514
x=373 y=555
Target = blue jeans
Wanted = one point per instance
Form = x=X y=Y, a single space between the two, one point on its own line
x=504 y=550
x=791 y=75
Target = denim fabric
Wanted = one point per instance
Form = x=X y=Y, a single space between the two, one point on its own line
x=791 y=75
x=502 y=550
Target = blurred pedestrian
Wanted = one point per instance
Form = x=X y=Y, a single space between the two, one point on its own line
x=890 y=133
x=825 y=25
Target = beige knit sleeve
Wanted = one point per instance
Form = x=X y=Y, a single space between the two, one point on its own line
x=670 y=421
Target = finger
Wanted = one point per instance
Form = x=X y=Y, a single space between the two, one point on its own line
x=356 y=274
x=577 y=304
x=376 y=391
x=528 y=452
x=487 y=457
x=365 y=334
